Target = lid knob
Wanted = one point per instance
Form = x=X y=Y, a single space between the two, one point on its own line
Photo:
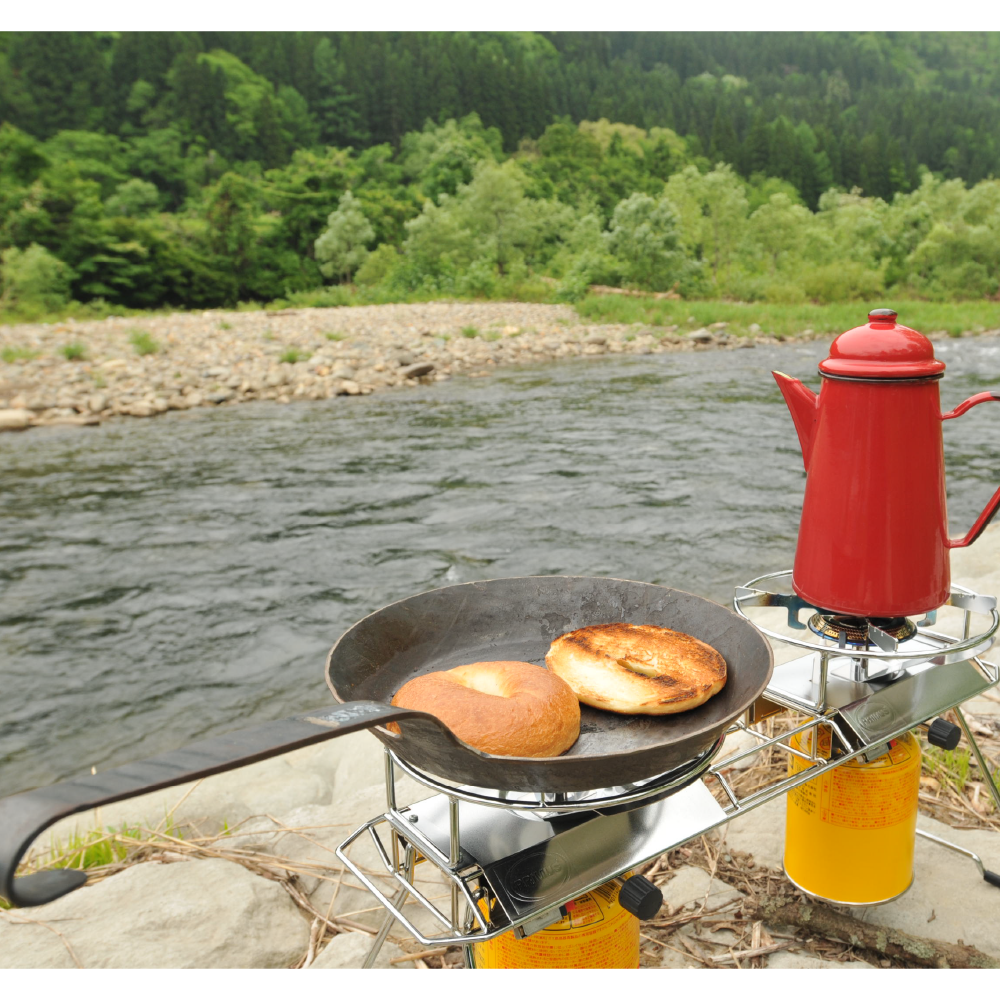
x=883 y=316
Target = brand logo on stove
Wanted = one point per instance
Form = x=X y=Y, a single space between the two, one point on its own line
x=877 y=718
x=537 y=875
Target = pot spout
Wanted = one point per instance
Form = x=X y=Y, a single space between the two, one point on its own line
x=803 y=403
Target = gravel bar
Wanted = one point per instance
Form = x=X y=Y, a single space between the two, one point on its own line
x=221 y=358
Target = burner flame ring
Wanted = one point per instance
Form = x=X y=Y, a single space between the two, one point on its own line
x=855 y=630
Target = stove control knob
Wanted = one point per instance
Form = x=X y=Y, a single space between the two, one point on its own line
x=944 y=734
x=640 y=897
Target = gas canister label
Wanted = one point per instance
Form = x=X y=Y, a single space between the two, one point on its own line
x=859 y=795
x=595 y=933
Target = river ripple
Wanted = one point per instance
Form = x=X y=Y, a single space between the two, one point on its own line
x=168 y=579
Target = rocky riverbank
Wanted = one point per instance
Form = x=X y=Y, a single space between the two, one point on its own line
x=245 y=874
x=85 y=373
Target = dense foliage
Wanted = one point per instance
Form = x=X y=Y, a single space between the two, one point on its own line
x=202 y=169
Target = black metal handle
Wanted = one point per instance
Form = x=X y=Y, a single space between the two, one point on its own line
x=25 y=815
x=992 y=877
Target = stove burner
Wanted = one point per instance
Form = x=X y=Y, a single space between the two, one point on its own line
x=855 y=630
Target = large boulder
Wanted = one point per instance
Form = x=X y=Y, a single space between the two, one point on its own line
x=349 y=951
x=207 y=914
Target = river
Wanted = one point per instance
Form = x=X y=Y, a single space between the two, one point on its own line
x=167 y=579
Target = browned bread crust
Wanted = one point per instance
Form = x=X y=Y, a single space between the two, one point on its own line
x=506 y=708
x=637 y=669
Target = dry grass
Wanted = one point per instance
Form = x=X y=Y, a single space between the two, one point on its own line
x=724 y=937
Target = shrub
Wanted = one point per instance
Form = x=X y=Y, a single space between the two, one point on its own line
x=341 y=248
x=321 y=298
x=847 y=281
x=33 y=279
x=143 y=343
x=378 y=266
x=469 y=331
x=73 y=352
x=291 y=356
x=644 y=237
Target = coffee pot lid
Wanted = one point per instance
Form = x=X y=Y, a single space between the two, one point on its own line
x=881 y=349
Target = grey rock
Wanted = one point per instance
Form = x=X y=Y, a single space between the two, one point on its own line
x=343 y=371
x=790 y=960
x=415 y=371
x=737 y=743
x=194 y=399
x=222 y=396
x=404 y=358
x=701 y=336
x=274 y=379
x=97 y=402
x=348 y=387
x=691 y=886
x=949 y=900
x=760 y=832
x=348 y=951
x=595 y=338
x=672 y=959
x=190 y=915
x=754 y=328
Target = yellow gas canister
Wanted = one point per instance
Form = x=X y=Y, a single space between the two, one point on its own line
x=595 y=932
x=850 y=833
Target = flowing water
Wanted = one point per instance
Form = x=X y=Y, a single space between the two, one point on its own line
x=163 y=580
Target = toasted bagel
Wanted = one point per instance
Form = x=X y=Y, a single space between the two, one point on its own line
x=506 y=708
x=637 y=669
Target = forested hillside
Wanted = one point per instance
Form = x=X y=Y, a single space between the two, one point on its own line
x=198 y=169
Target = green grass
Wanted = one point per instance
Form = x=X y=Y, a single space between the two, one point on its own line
x=94 y=848
x=470 y=331
x=223 y=325
x=334 y=336
x=788 y=320
x=292 y=355
x=73 y=352
x=143 y=343
x=950 y=767
x=13 y=354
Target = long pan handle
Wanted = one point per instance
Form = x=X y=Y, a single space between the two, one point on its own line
x=25 y=815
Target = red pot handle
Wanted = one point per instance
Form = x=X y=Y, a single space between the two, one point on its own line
x=991 y=508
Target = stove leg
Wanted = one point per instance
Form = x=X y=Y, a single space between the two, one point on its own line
x=984 y=768
x=454 y=853
x=383 y=931
x=992 y=877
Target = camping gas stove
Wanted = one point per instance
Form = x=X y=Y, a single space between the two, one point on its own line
x=513 y=860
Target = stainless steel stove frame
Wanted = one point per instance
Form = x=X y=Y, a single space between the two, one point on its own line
x=525 y=855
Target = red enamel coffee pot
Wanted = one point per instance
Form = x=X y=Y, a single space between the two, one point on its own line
x=873 y=540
